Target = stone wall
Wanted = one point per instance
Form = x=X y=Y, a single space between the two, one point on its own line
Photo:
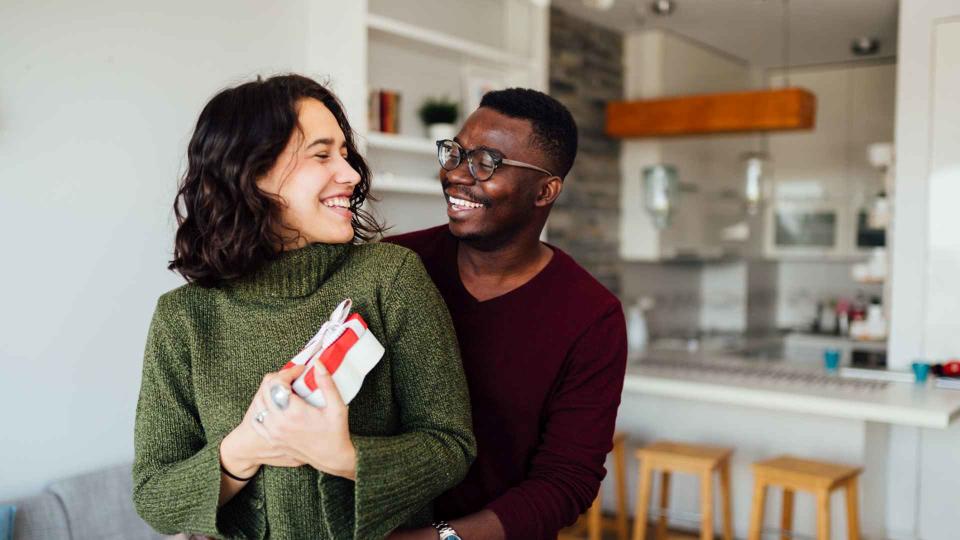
x=586 y=71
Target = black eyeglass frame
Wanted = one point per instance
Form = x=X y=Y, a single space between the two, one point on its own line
x=497 y=157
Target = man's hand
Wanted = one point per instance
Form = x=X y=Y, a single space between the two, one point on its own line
x=483 y=525
x=428 y=533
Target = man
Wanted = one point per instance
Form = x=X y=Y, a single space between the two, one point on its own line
x=543 y=343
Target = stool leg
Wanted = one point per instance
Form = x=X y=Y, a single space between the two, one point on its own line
x=853 y=510
x=620 y=464
x=706 y=505
x=594 y=527
x=643 y=502
x=786 y=515
x=664 y=505
x=823 y=515
x=756 y=510
x=726 y=501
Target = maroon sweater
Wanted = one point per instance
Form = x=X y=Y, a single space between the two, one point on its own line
x=545 y=366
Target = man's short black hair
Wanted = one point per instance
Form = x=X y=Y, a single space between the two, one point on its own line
x=554 y=130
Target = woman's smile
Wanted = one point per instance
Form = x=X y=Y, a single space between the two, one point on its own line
x=339 y=205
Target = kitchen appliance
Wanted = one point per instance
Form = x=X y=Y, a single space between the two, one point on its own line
x=804 y=227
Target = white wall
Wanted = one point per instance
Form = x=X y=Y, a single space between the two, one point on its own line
x=926 y=247
x=97 y=102
x=926 y=251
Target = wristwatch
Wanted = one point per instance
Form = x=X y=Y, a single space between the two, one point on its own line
x=446 y=531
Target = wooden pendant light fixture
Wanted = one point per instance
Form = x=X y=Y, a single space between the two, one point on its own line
x=782 y=109
x=757 y=110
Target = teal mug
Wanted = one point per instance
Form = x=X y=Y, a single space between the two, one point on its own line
x=920 y=371
x=831 y=359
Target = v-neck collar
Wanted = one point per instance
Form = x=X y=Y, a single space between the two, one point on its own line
x=461 y=289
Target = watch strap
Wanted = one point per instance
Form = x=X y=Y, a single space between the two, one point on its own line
x=445 y=530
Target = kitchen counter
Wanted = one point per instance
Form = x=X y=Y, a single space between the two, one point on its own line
x=780 y=385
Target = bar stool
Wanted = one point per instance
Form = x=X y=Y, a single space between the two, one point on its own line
x=795 y=474
x=669 y=457
x=592 y=521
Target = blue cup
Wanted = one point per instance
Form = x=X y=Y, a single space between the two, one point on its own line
x=831 y=359
x=920 y=371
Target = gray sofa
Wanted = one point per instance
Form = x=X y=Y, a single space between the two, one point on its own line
x=93 y=506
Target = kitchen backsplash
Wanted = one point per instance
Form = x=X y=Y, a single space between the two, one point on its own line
x=675 y=289
x=735 y=296
x=801 y=284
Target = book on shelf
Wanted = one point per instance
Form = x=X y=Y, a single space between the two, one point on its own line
x=384 y=110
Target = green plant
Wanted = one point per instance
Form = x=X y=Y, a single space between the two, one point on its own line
x=439 y=111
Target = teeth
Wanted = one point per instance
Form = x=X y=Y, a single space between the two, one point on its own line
x=338 y=202
x=466 y=204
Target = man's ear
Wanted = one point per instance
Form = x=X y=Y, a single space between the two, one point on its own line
x=549 y=191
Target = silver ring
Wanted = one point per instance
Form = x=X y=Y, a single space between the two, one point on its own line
x=260 y=416
x=280 y=396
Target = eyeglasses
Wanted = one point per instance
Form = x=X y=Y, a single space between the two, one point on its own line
x=482 y=162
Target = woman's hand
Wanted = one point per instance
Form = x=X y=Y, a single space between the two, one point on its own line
x=243 y=451
x=318 y=436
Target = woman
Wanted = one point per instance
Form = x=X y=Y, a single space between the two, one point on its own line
x=269 y=217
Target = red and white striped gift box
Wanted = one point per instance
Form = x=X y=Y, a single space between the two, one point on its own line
x=346 y=347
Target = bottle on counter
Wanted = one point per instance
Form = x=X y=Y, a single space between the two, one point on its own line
x=858 y=309
x=876 y=323
x=828 y=317
x=815 y=325
x=843 y=317
x=637 y=332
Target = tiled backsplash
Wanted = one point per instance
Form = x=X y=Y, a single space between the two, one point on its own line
x=801 y=284
x=723 y=295
x=736 y=296
x=675 y=289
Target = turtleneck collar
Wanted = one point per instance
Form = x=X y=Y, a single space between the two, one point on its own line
x=293 y=274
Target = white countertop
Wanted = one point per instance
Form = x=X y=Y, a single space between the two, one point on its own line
x=779 y=385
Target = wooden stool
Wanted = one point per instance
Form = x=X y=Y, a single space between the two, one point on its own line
x=795 y=474
x=669 y=457
x=592 y=521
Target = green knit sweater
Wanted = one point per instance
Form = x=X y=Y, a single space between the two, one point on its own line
x=207 y=351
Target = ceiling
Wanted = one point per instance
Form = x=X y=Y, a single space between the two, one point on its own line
x=752 y=30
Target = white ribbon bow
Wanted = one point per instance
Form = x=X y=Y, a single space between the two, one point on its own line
x=331 y=330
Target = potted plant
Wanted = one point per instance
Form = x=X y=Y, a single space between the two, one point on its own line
x=439 y=116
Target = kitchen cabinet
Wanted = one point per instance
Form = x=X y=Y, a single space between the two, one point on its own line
x=822 y=180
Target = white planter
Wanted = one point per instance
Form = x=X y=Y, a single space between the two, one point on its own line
x=439 y=132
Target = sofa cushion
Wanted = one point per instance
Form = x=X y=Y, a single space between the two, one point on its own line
x=99 y=505
x=41 y=516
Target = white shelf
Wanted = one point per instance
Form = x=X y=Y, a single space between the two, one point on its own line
x=401 y=143
x=390 y=183
x=393 y=27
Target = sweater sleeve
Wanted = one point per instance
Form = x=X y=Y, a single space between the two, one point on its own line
x=397 y=476
x=176 y=469
x=567 y=467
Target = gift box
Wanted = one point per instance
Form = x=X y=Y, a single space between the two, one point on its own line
x=346 y=347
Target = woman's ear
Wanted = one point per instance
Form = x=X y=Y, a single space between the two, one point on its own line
x=549 y=191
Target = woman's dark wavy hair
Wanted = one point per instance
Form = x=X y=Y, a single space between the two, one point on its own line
x=227 y=226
